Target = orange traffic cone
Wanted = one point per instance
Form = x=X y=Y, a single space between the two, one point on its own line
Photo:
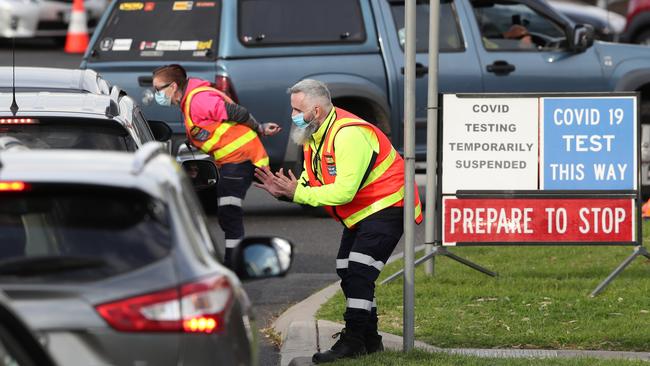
x=77 y=38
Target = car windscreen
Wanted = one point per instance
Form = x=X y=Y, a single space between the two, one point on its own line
x=159 y=30
x=70 y=133
x=79 y=232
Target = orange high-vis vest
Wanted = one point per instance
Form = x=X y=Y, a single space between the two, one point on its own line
x=383 y=183
x=227 y=142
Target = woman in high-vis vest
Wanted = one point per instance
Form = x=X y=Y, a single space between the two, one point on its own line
x=226 y=131
x=351 y=169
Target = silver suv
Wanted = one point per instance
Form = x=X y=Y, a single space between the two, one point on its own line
x=108 y=257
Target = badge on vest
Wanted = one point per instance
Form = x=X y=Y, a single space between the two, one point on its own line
x=199 y=134
x=331 y=169
x=329 y=159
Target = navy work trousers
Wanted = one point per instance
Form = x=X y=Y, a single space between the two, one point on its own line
x=234 y=181
x=363 y=253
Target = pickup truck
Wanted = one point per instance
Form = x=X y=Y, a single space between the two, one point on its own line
x=256 y=49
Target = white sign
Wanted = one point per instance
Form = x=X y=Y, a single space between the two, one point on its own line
x=168 y=45
x=489 y=144
x=122 y=44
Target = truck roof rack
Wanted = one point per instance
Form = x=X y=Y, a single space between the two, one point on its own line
x=145 y=154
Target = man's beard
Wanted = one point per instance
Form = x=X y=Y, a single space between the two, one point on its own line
x=301 y=136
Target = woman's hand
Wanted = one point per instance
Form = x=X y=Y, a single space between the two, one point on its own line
x=270 y=129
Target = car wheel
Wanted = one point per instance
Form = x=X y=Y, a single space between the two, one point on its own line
x=643 y=38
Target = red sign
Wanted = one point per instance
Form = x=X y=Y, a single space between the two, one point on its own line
x=566 y=220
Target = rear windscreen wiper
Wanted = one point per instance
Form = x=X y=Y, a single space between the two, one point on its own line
x=34 y=266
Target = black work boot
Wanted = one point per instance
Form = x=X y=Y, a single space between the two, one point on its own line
x=373 y=343
x=372 y=337
x=349 y=345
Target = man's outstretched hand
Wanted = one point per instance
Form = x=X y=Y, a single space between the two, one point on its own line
x=278 y=184
x=270 y=129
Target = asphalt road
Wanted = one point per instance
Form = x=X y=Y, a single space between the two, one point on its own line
x=315 y=238
x=37 y=53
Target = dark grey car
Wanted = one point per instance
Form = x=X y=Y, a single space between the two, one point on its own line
x=109 y=258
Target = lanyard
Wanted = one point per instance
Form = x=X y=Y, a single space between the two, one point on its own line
x=315 y=162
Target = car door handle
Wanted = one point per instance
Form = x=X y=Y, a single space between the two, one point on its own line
x=420 y=70
x=501 y=67
x=145 y=81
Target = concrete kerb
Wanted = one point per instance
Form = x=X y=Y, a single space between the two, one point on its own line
x=303 y=335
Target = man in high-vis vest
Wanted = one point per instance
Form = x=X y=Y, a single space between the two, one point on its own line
x=352 y=169
x=226 y=131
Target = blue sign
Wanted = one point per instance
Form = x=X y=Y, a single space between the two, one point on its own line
x=589 y=143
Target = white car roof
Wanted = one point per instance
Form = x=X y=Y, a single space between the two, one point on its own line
x=150 y=169
x=50 y=103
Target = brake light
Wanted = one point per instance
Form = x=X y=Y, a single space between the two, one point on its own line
x=17 y=121
x=13 y=186
x=197 y=307
x=224 y=84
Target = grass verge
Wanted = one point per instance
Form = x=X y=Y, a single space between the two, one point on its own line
x=421 y=358
x=539 y=301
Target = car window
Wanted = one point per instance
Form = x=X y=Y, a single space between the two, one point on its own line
x=198 y=219
x=142 y=126
x=272 y=22
x=449 y=38
x=121 y=229
x=70 y=133
x=160 y=30
x=515 y=26
x=12 y=353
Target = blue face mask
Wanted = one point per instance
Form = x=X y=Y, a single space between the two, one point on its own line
x=163 y=99
x=299 y=120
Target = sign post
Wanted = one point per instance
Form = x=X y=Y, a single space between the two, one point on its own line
x=409 y=178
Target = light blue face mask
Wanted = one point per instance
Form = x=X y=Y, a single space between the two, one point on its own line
x=163 y=99
x=299 y=120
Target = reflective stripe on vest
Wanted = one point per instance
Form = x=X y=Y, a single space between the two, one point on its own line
x=244 y=143
x=383 y=185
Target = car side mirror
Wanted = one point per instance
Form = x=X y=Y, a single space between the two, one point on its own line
x=583 y=37
x=204 y=176
x=202 y=173
x=161 y=130
x=262 y=257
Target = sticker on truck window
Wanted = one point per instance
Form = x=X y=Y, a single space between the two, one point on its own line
x=168 y=45
x=189 y=45
x=122 y=44
x=204 y=45
x=182 y=5
x=133 y=6
x=106 y=44
x=145 y=45
x=152 y=53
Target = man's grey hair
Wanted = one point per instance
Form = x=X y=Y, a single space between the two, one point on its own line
x=315 y=91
